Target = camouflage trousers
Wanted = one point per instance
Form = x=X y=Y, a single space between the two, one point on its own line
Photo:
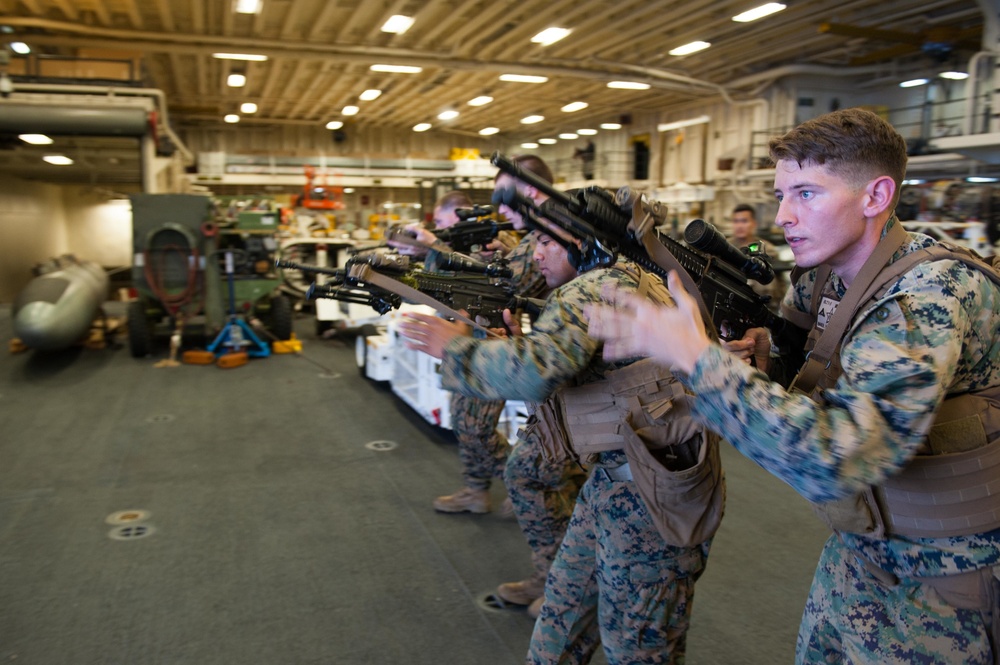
x=616 y=583
x=542 y=493
x=852 y=618
x=481 y=448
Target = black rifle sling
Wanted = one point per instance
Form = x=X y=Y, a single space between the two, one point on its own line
x=857 y=293
x=365 y=273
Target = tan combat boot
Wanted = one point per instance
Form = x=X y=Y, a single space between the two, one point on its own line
x=465 y=500
x=536 y=607
x=523 y=592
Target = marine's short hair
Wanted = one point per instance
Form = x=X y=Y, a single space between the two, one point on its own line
x=743 y=207
x=534 y=164
x=853 y=143
x=454 y=199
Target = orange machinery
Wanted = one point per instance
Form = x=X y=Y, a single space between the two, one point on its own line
x=319 y=196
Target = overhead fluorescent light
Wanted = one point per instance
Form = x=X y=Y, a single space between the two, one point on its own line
x=529 y=145
x=532 y=119
x=913 y=83
x=252 y=57
x=236 y=80
x=547 y=141
x=980 y=178
x=668 y=126
x=248 y=107
x=586 y=132
x=397 y=69
x=35 y=139
x=489 y=131
x=447 y=115
x=232 y=118
x=628 y=85
x=20 y=48
x=481 y=100
x=575 y=106
x=954 y=76
x=610 y=125
x=397 y=24
x=58 y=160
x=369 y=95
x=759 y=12
x=422 y=127
x=569 y=136
x=247 y=6
x=550 y=36
x=688 y=49
x=523 y=78
x=349 y=110
x=334 y=124
x=348 y=190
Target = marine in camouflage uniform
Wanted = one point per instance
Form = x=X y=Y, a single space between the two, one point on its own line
x=612 y=551
x=933 y=334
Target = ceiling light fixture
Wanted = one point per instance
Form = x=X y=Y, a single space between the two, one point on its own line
x=523 y=78
x=488 y=131
x=575 y=106
x=759 y=12
x=668 y=126
x=252 y=57
x=954 y=76
x=349 y=110
x=248 y=107
x=688 y=49
x=481 y=100
x=232 y=118
x=628 y=85
x=35 y=139
x=236 y=80
x=586 y=132
x=334 y=124
x=247 y=6
x=529 y=145
x=532 y=119
x=369 y=95
x=550 y=36
x=58 y=160
x=611 y=125
x=20 y=48
x=913 y=83
x=422 y=127
x=547 y=141
x=397 y=24
x=569 y=136
x=447 y=115
x=397 y=69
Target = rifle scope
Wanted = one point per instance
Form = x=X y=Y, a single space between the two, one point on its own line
x=702 y=235
x=474 y=212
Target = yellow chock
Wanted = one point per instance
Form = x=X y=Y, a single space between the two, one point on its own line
x=293 y=345
x=17 y=346
x=195 y=357
x=229 y=360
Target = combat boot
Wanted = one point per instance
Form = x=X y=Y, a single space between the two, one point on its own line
x=465 y=500
x=523 y=592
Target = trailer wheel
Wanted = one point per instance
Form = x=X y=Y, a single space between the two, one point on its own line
x=140 y=334
x=281 y=317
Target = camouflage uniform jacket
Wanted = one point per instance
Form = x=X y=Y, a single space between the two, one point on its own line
x=528 y=280
x=531 y=367
x=935 y=332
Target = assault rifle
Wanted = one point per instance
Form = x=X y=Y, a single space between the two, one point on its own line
x=471 y=235
x=385 y=281
x=607 y=225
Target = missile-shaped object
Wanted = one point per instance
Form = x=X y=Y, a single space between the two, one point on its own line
x=57 y=307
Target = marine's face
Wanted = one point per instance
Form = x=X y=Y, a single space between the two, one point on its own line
x=445 y=217
x=553 y=261
x=822 y=217
x=744 y=228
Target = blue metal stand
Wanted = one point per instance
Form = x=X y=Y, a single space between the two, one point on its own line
x=237 y=335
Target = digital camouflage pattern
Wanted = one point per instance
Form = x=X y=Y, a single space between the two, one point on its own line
x=482 y=449
x=612 y=549
x=542 y=493
x=528 y=280
x=936 y=332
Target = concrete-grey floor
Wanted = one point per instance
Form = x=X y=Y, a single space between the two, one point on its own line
x=275 y=536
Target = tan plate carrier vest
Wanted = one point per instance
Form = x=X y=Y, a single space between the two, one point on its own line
x=952 y=488
x=644 y=410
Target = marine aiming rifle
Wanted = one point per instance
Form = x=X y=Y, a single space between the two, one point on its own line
x=474 y=231
x=385 y=281
x=607 y=225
